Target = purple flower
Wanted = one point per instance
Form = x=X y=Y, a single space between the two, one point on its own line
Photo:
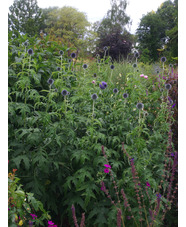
x=33 y=216
x=172 y=154
x=64 y=92
x=108 y=166
x=147 y=183
x=115 y=90
x=112 y=66
x=103 y=188
x=163 y=59
x=73 y=55
x=158 y=195
x=173 y=105
x=106 y=170
x=103 y=85
x=50 y=81
x=30 y=51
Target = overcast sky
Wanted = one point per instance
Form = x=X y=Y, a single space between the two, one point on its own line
x=97 y=9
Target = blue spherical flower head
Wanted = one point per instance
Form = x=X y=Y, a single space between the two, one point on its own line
x=112 y=66
x=105 y=48
x=134 y=65
x=140 y=105
x=115 y=90
x=94 y=96
x=125 y=95
x=30 y=51
x=64 y=92
x=69 y=60
x=170 y=65
x=103 y=85
x=25 y=43
x=73 y=55
x=168 y=86
x=50 y=81
x=136 y=54
x=58 y=68
x=61 y=52
x=85 y=66
x=163 y=59
x=94 y=75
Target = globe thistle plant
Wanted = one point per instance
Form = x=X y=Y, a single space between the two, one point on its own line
x=115 y=90
x=94 y=96
x=103 y=85
x=105 y=48
x=140 y=105
x=73 y=55
x=94 y=75
x=25 y=43
x=64 y=92
x=136 y=55
x=163 y=59
x=125 y=95
x=50 y=81
x=61 y=52
x=134 y=65
x=58 y=68
x=112 y=66
x=168 y=86
x=30 y=51
x=85 y=66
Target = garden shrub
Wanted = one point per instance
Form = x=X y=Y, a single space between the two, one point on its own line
x=61 y=112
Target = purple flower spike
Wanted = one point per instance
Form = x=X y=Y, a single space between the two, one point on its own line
x=147 y=183
x=108 y=166
x=173 y=105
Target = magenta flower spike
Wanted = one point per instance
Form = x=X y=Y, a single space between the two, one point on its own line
x=146 y=77
x=147 y=183
x=108 y=166
x=142 y=75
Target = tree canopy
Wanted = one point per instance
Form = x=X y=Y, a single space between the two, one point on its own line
x=158 y=31
x=25 y=16
x=68 y=24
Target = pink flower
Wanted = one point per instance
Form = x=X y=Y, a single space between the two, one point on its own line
x=146 y=77
x=93 y=81
x=50 y=223
x=147 y=183
x=142 y=75
x=106 y=170
x=108 y=166
x=33 y=216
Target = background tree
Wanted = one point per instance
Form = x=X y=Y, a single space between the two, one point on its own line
x=158 y=31
x=67 y=24
x=25 y=16
x=112 y=31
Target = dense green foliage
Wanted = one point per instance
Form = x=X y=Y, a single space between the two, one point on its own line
x=68 y=24
x=23 y=206
x=25 y=17
x=158 y=31
x=55 y=140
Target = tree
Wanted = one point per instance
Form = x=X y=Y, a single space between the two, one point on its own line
x=112 y=31
x=159 y=31
x=68 y=24
x=25 y=17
